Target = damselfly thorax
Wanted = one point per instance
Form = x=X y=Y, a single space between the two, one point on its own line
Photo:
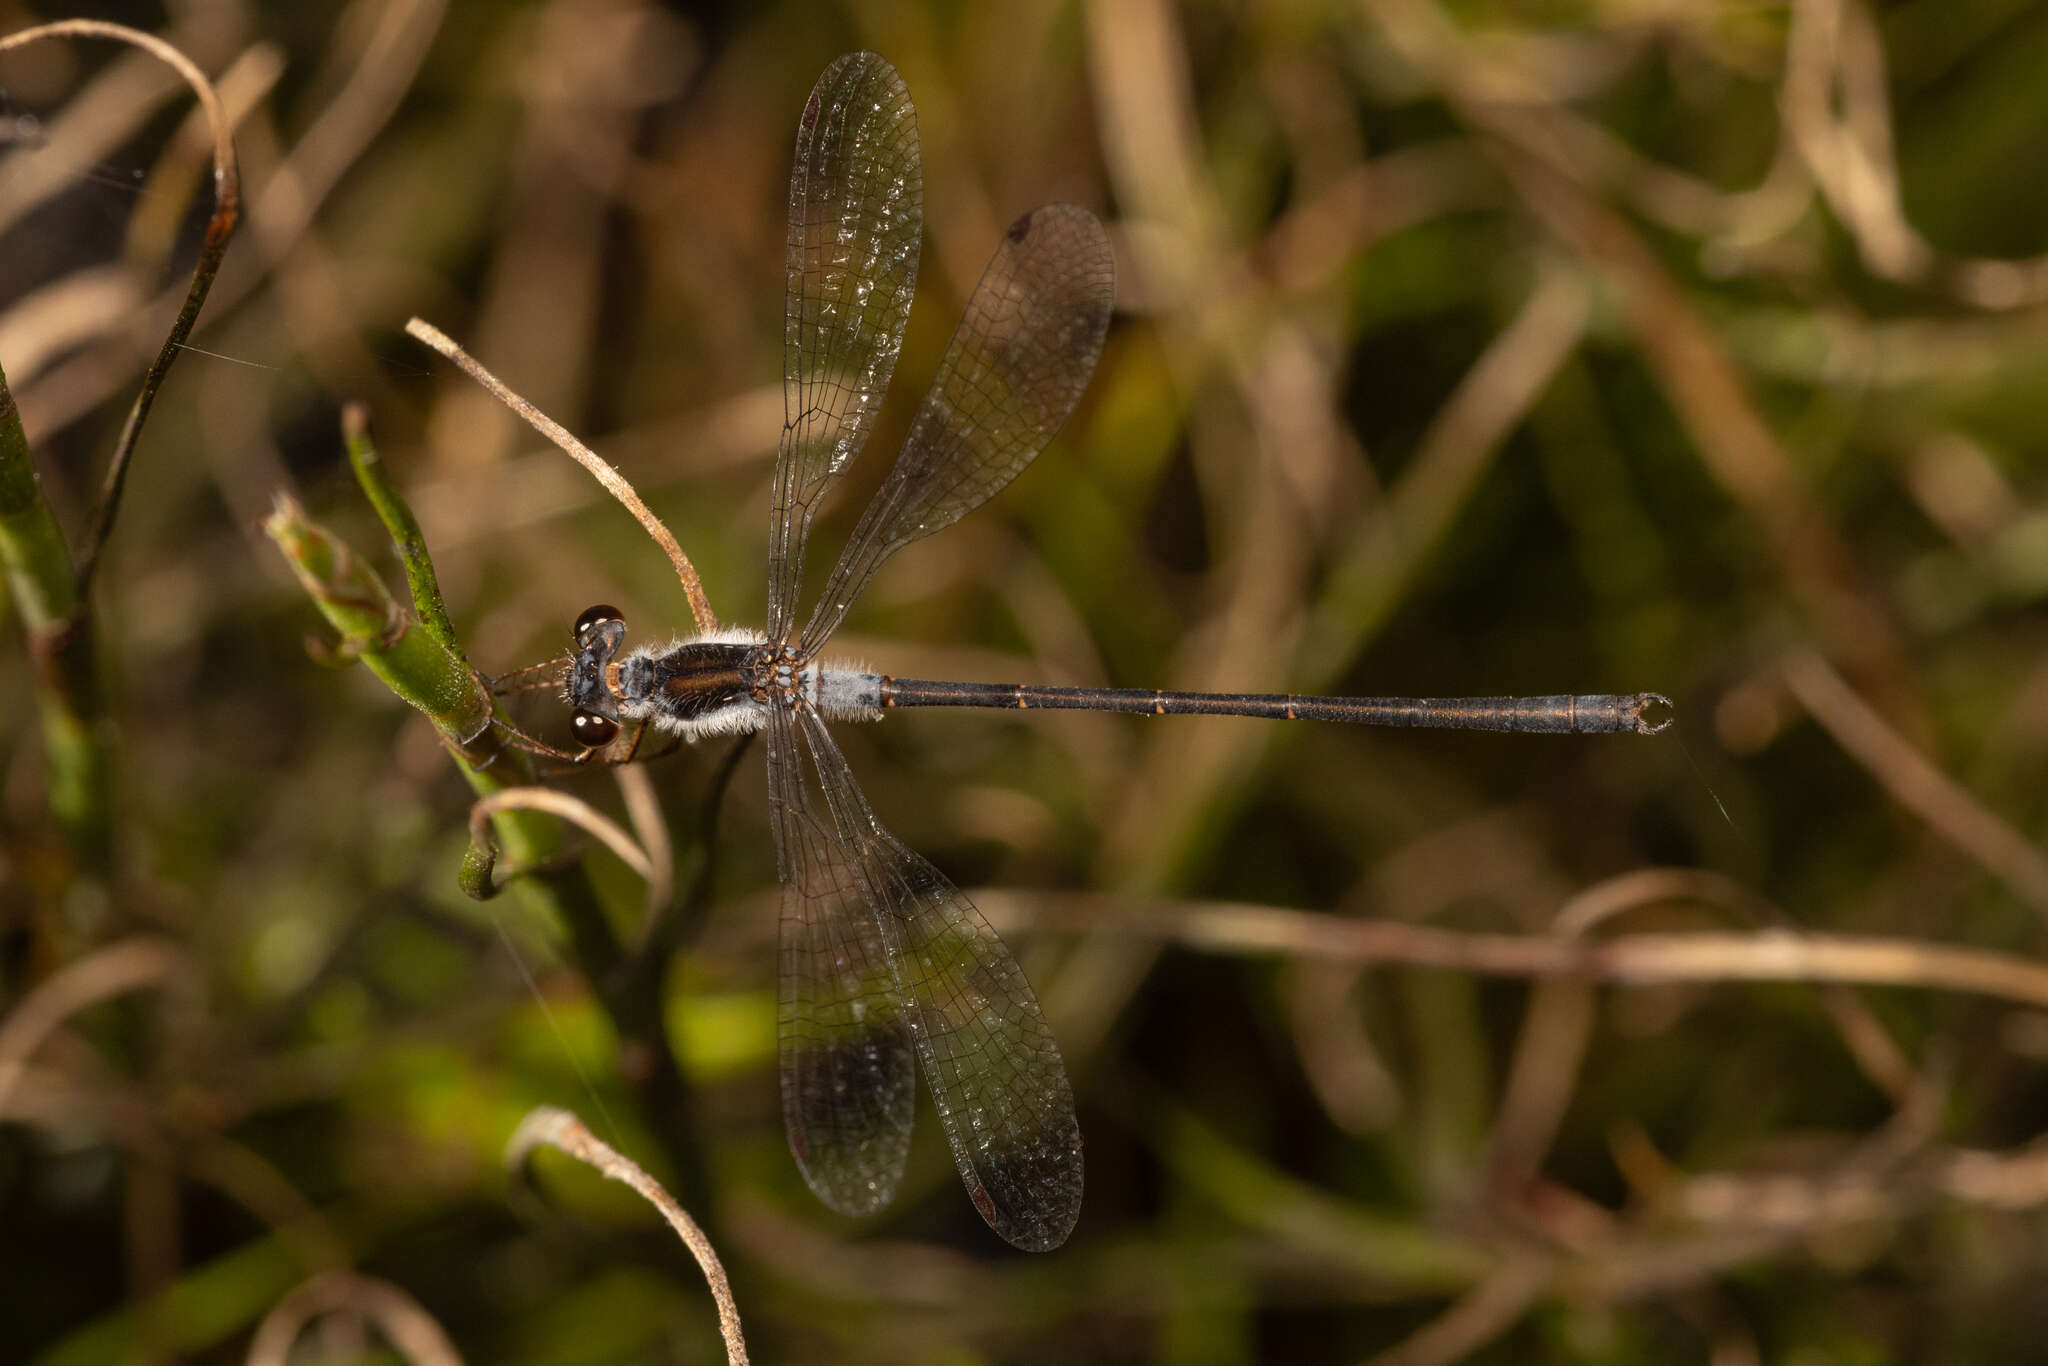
x=722 y=683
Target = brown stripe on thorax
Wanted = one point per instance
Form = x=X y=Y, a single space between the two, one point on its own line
x=705 y=680
x=697 y=679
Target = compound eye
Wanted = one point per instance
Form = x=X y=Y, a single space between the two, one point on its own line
x=592 y=618
x=592 y=730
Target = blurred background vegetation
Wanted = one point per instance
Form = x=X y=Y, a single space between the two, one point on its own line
x=1461 y=349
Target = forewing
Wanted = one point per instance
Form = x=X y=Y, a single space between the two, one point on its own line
x=989 y=1058
x=1017 y=364
x=848 y=1084
x=856 y=212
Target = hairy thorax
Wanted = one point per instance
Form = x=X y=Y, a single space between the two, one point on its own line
x=725 y=682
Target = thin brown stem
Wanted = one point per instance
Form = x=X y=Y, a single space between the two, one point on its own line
x=1633 y=959
x=404 y=1323
x=563 y=1131
x=614 y=482
x=227 y=202
x=1914 y=782
x=572 y=809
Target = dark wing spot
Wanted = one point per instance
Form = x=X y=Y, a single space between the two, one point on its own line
x=810 y=111
x=1020 y=229
x=979 y=1195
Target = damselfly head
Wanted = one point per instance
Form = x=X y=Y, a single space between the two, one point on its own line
x=599 y=633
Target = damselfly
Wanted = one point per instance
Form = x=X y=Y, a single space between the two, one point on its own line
x=883 y=960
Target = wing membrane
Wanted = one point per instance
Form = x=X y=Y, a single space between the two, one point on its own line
x=1017 y=364
x=989 y=1057
x=848 y=1084
x=856 y=213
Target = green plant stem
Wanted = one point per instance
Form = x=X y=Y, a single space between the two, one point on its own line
x=38 y=563
x=51 y=588
x=399 y=524
x=43 y=588
x=432 y=674
x=378 y=633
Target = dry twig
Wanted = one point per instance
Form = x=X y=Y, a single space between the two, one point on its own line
x=405 y=1325
x=1641 y=959
x=563 y=1131
x=1913 y=780
x=227 y=202
x=613 y=481
x=572 y=809
x=118 y=968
